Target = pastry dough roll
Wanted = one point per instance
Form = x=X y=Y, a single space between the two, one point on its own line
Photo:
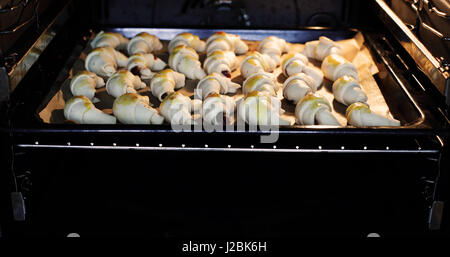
x=293 y=63
x=218 y=109
x=85 y=83
x=81 y=110
x=184 y=59
x=222 y=62
x=144 y=43
x=176 y=109
x=256 y=62
x=123 y=82
x=143 y=65
x=226 y=42
x=297 y=86
x=274 y=47
x=347 y=91
x=165 y=82
x=360 y=115
x=187 y=39
x=114 y=40
x=262 y=82
x=314 y=73
x=132 y=108
x=261 y=108
x=314 y=109
x=321 y=48
x=104 y=61
x=335 y=66
x=215 y=84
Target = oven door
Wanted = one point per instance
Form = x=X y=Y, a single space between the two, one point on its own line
x=226 y=193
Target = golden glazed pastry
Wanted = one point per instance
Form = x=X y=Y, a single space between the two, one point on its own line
x=347 y=91
x=218 y=109
x=360 y=115
x=187 y=39
x=261 y=108
x=132 y=108
x=221 y=62
x=143 y=65
x=293 y=63
x=185 y=60
x=215 y=83
x=85 y=83
x=256 y=62
x=104 y=61
x=114 y=40
x=297 y=86
x=144 y=43
x=123 y=82
x=262 y=82
x=81 y=110
x=335 y=66
x=177 y=109
x=314 y=109
x=226 y=42
x=321 y=48
x=165 y=82
x=274 y=47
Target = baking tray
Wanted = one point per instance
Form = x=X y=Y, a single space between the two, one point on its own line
x=354 y=49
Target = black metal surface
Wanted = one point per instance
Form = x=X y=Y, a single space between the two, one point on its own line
x=428 y=63
x=186 y=194
x=204 y=13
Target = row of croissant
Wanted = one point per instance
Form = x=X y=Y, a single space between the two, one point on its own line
x=260 y=105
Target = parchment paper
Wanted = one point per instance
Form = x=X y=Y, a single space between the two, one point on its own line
x=354 y=51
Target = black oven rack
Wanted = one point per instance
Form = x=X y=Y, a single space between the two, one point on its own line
x=229 y=148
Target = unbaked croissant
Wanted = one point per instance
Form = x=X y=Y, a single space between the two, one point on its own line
x=143 y=65
x=165 y=82
x=104 y=61
x=293 y=63
x=214 y=83
x=256 y=62
x=321 y=48
x=262 y=82
x=177 y=108
x=297 y=86
x=335 y=66
x=144 y=43
x=218 y=109
x=132 y=108
x=360 y=115
x=85 y=83
x=274 y=47
x=222 y=62
x=314 y=109
x=347 y=91
x=123 y=82
x=114 y=40
x=81 y=110
x=184 y=59
x=226 y=42
x=261 y=108
x=187 y=39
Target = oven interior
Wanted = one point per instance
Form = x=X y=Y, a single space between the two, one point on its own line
x=311 y=182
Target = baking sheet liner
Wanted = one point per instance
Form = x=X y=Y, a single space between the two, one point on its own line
x=353 y=50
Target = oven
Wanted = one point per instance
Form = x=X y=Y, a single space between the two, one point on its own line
x=60 y=178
